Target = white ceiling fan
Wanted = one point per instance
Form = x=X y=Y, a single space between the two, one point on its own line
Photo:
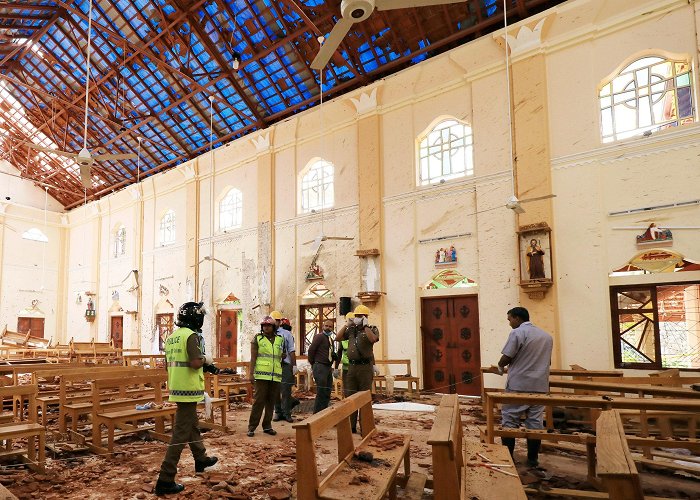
x=321 y=238
x=514 y=203
x=84 y=158
x=355 y=11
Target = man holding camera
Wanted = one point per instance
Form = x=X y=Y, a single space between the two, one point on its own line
x=361 y=336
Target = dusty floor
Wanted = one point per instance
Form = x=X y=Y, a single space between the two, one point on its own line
x=264 y=466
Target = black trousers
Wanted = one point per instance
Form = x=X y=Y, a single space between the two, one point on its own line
x=323 y=376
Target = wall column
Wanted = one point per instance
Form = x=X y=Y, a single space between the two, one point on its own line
x=531 y=152
x=371 y=219
x=266 y=219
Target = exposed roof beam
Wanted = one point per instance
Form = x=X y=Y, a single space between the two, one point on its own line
x=23 y=48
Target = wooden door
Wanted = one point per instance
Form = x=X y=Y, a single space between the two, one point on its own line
x=227 y=333
x=450 y=332
x=117 y=332
x=33 y=325
x=165 y=328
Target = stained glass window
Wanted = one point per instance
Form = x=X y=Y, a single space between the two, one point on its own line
x=312 y=318
x=317 y=291
x=167 y=228
x=317 y=187
x=652 y=93
x=449 y=278
x=231 y=210
x=445 y=153
x=120 y=242
x=657 y=326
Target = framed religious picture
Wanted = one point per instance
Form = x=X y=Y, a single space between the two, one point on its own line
x=535 y=257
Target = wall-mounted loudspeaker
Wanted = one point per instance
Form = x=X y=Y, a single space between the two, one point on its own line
x=345 y=305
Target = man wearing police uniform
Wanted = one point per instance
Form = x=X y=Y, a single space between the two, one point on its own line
x=266 y=354
x=361 y=338
x=185 y=363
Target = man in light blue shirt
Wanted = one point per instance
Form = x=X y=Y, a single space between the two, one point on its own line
x=528 y=355
x=285 y=401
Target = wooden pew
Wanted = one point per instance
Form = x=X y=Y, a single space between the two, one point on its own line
x=615 y=465
x=379 y=381
x=73 y=404
x=34 y=433
x=231 y=385
x=337 y=482
x=452 y=479
x=152 y=360
x=8 y=337
x=123 y=418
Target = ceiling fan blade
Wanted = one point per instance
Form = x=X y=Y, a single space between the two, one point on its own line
x=406 y=4
x=49 y=150
x=331 y=44
x=126 y=156
x=85 y=176
x=346 y=238
x=526 y=200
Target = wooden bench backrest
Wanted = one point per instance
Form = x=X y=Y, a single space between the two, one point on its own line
x=337 y=416
x=615 y=464
x=100 y=385
x=23 y=391
x=152 y=359
x=446 y=441
x=387 y=362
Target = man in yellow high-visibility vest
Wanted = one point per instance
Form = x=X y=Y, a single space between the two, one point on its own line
x=266 y=355
x=185 y=361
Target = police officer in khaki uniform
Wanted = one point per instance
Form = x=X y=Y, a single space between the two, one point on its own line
x=361 y=338
x=184 y=358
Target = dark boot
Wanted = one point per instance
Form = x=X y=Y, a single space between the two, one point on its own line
x=200 y=465
x=510 y=444
x=168 y=488
x=533 y=450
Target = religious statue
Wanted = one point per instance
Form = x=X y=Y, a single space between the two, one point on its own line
x=535 y=261
x=453 y=254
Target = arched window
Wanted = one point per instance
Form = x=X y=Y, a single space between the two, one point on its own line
x=35 y=234
x=445 y=153
x=167 y=228
x=317 y=187
x=120 y=241
x=650 y=94
x=231 y=210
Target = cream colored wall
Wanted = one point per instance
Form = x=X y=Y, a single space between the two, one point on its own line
x=591 y=180
x=582 y=42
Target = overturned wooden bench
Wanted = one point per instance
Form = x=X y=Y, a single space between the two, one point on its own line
x=344 y=480
x=461 y=469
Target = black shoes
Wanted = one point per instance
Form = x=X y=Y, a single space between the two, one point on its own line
x=271 y=432
x=277 y=417
x=289 y=419
x=170 y=488
x=200 y=465
x=251 y=434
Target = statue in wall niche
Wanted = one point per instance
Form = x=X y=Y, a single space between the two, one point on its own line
x=453 y=254
x=535 y=260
